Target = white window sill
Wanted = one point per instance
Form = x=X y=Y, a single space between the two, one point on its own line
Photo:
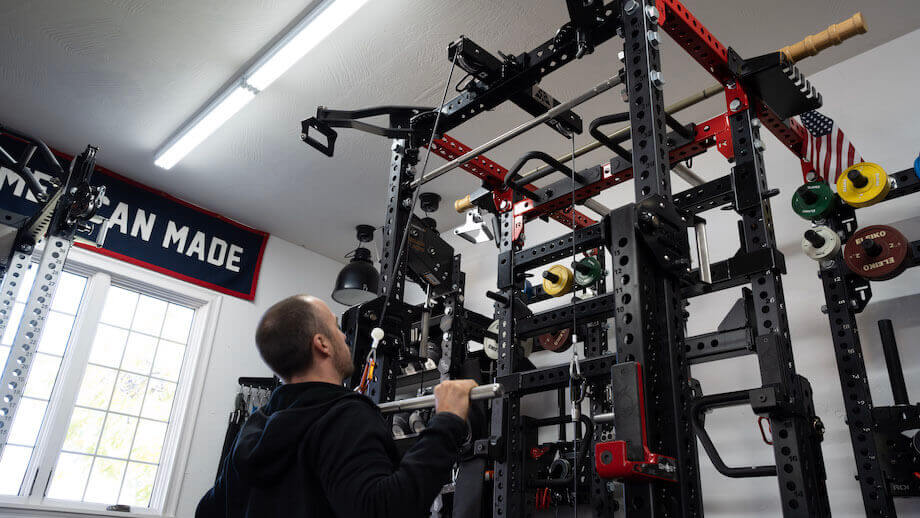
x=10 y=509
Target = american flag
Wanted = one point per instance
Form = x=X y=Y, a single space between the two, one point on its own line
x=827 y=151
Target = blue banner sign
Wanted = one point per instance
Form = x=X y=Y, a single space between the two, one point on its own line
x=152 y=229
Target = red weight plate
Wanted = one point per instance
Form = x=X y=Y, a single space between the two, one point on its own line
x=877 y=252
x=556 y=342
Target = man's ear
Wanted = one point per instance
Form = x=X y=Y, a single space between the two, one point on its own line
x=322 y=344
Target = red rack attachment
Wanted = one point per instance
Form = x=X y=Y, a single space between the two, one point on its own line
x=630 y=458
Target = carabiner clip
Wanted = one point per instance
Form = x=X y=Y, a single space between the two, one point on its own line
x=576 y=387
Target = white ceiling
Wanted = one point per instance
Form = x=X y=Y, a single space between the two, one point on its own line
x=124 y=74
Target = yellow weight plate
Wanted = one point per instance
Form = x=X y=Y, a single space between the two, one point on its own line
x=558 y=280
x=863 y=184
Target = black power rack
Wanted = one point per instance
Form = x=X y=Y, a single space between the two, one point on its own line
x=646 y=410
x=886 y=459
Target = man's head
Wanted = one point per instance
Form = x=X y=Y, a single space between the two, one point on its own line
x=298 y=338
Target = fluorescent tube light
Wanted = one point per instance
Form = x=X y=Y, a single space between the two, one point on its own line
x=211 y=119
x=280 y=56
x=320 y=23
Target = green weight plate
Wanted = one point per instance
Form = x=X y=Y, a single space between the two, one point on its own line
x=587 y=271
x=813 y=200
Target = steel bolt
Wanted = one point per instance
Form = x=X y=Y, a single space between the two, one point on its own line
x=824 y=308
x=656 y=78
x=651 y=12
x=759 y=144
x=630 y=7
x=734 y=105
x=653 y=39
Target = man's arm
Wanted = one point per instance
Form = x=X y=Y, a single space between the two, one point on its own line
x=357 y=475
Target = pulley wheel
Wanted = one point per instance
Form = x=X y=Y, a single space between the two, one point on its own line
x=863 y=184
x=587 y=271
x=820 y=243
x=877 y=252
x=813 y=200
x=558 y=280
x=557 y=342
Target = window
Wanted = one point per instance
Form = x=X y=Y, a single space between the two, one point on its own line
x=102 y=414
x=42 y=376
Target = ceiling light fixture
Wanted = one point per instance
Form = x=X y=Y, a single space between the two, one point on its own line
x=358 y=281
x=274 y=62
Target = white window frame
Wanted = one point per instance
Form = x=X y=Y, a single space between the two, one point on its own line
x=102 y=272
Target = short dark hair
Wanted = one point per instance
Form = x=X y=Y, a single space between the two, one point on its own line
x=285 y=335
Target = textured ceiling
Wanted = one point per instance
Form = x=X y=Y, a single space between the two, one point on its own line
x=124 y=74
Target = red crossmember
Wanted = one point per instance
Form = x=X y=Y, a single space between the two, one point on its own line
x=690 y=34
x=706 y=49
x=493 y=175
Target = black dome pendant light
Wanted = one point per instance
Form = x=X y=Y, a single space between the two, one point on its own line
x=358 y=281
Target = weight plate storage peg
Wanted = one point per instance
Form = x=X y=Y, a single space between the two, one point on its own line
x=863 y=184
x=558 y=280
x=587 y=271
x=820 y=243
x=813 y=200
x=877 y=252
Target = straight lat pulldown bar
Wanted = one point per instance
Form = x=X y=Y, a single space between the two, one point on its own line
x=514 y=132
x=479 y=393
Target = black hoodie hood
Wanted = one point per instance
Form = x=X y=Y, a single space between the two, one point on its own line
x=267 y=444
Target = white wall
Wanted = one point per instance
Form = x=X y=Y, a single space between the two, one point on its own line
x=872 y=96
x=287 y=269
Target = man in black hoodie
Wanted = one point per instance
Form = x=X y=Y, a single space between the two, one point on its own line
x=319 y=450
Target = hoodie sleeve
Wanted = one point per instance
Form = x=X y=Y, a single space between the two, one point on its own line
x=359 y=478
x=214 y=503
